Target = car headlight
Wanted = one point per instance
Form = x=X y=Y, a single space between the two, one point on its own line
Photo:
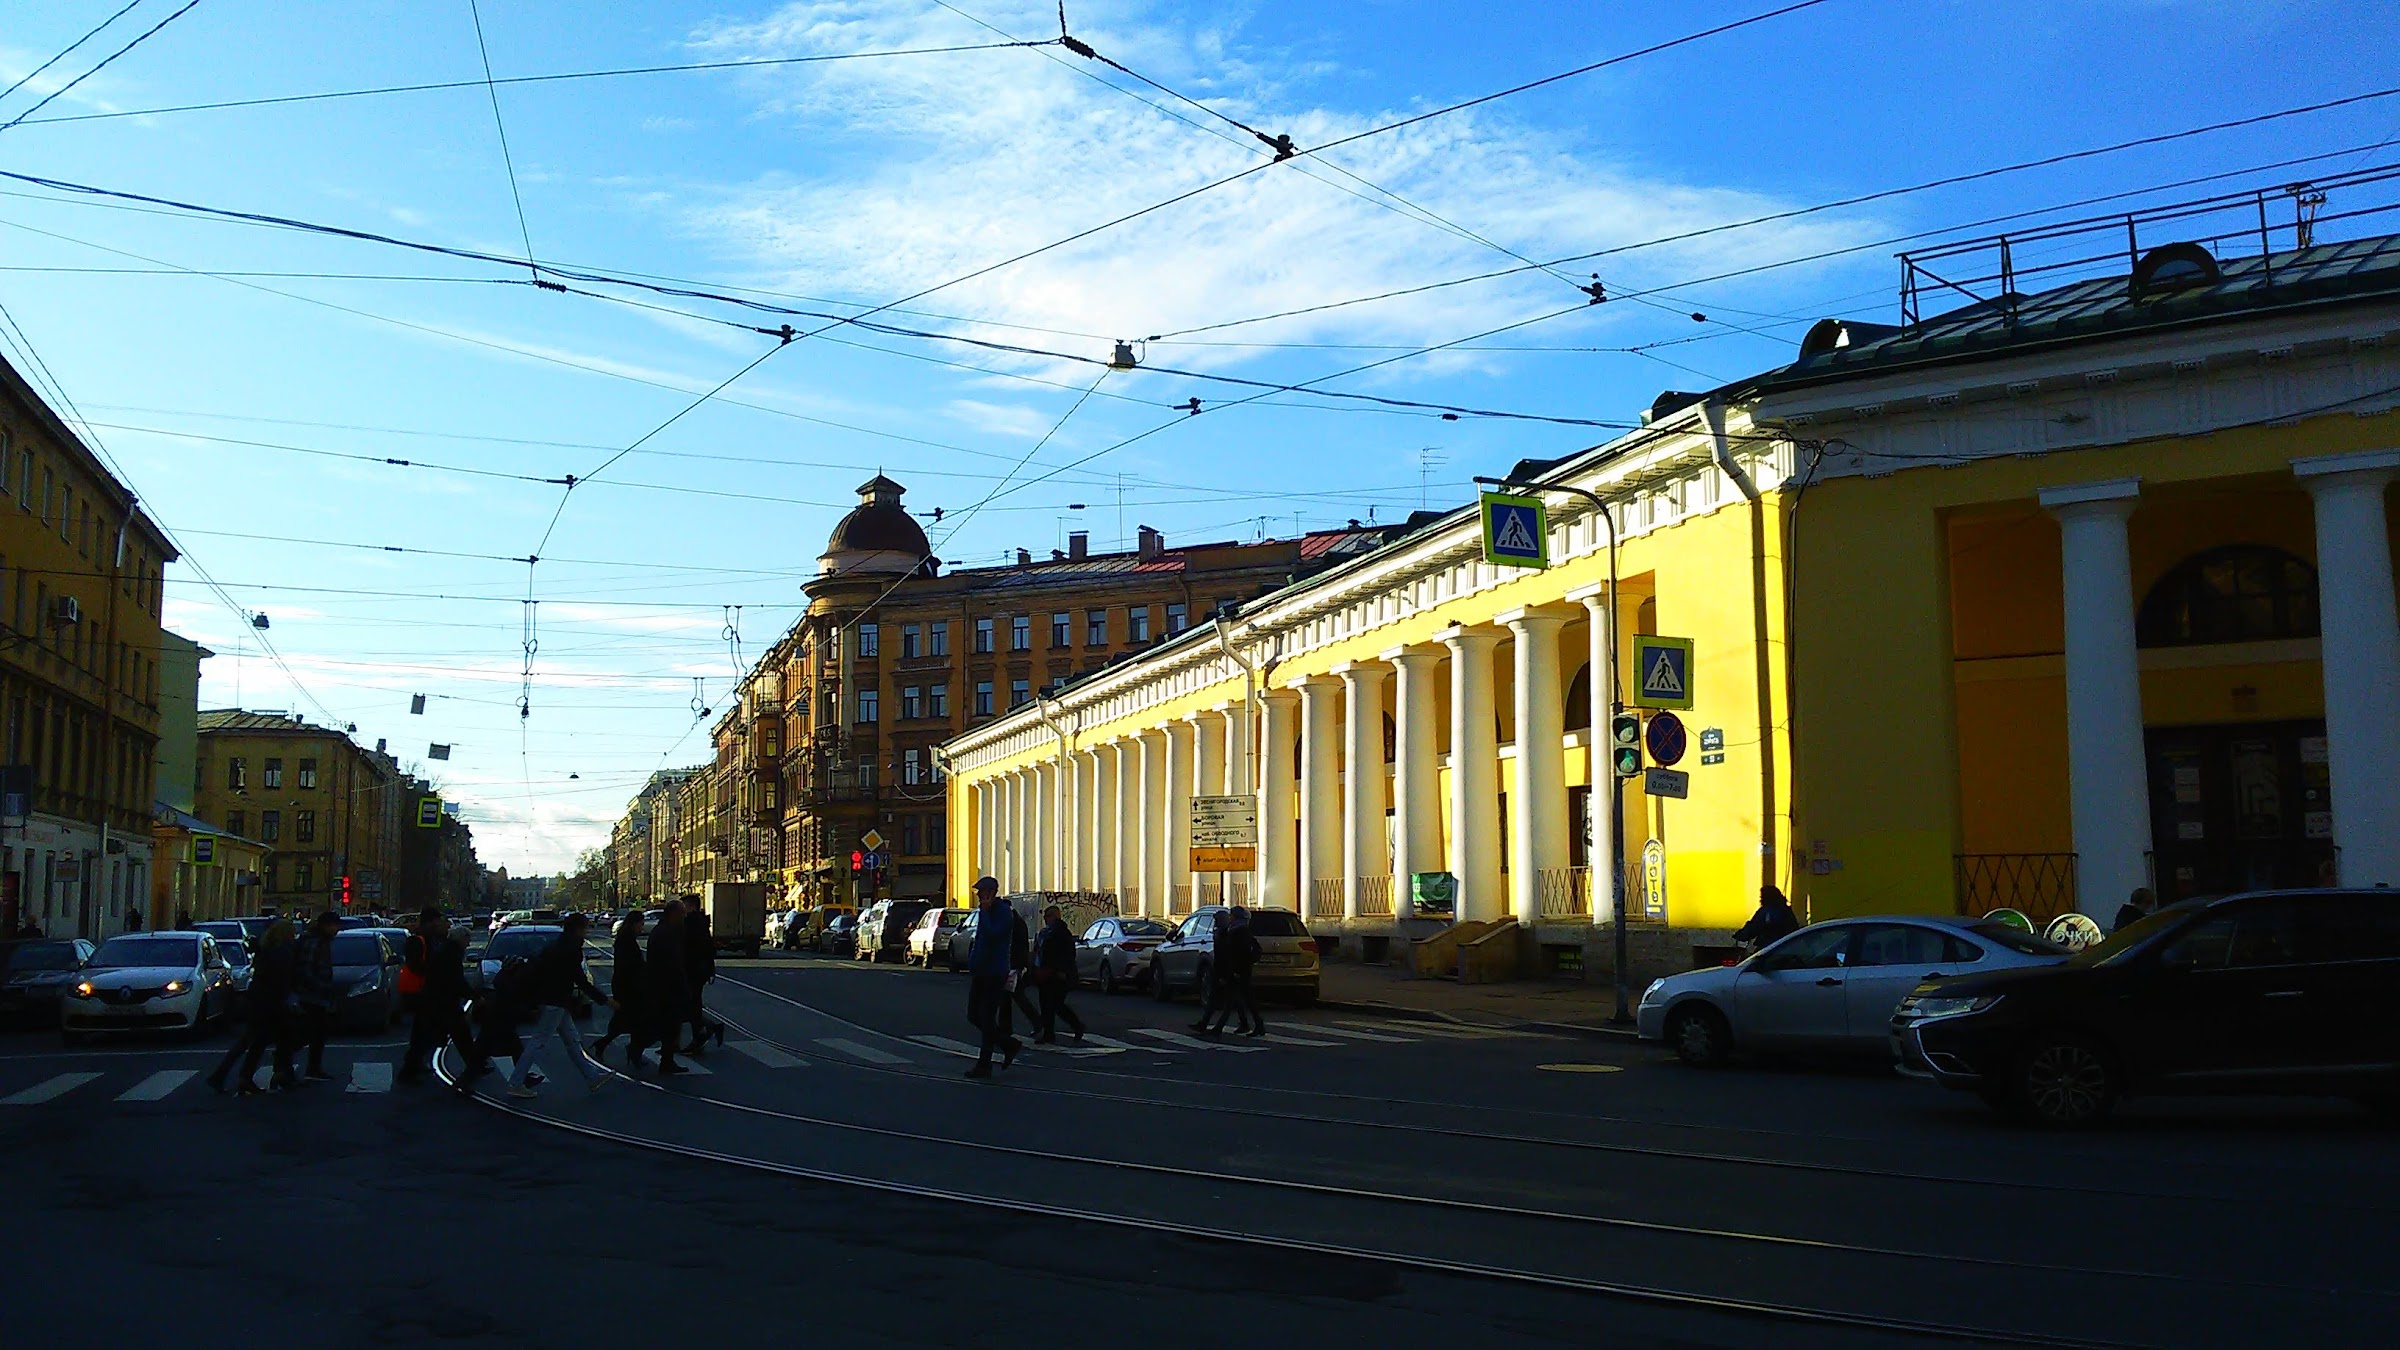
x=1958 y=1006
x=365 y=986
x=175 y=986
x=85 y=989
x=1650 y=995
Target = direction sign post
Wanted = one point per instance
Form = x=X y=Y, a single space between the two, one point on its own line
x=1224 y=834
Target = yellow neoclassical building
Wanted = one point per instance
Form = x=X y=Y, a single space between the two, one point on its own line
x=2029 y=602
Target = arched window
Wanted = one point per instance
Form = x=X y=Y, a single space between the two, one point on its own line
x=2239 y=593
x=1579 y=699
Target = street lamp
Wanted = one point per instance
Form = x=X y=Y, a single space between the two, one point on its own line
x=1616 y=708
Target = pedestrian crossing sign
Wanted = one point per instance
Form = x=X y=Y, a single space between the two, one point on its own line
x=429 y=813
x=1516 y=531
x=1662 y=669
x=204 y=850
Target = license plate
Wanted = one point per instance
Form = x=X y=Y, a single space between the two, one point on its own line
x=1272 y=960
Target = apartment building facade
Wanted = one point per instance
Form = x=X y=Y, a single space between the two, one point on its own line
x=328 y=809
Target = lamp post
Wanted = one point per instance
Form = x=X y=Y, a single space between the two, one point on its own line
x=1616 y=705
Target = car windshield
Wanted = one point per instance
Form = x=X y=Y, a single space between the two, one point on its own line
x=510 y=942
x=39 y=956
x=1267 y=923
x=163 y=950
x=1143 y=928
x=2015 y=939
x=235 y=953
x=2133 y=935
x=357 y=949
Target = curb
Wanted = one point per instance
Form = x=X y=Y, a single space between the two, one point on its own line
x=1397 y=1010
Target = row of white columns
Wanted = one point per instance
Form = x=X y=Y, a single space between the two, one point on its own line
x=1115 y=817
x=2109 y=793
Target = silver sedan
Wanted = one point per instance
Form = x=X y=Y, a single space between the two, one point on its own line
x=1829 y=988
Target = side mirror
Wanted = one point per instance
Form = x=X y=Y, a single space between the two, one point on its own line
x=2176 y=958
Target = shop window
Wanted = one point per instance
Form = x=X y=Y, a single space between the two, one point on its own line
x=2240 y=593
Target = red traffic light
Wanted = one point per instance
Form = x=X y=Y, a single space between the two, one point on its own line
x=345 y=892
x=858 y=860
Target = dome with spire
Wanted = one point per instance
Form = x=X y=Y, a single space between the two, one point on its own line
x=878 y=536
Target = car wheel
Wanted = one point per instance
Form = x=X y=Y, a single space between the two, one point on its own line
x=2066 y=1080
x=1700 y=1036
x=1108 y=980
x=1158 y=983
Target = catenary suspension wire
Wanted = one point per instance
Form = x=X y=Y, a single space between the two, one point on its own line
x=69 y=50
x=500 y=125
x=143 y=37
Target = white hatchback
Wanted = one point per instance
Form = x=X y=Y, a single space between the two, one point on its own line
x=149 y=982
x=1829 y=988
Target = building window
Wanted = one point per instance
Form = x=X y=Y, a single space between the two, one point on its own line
x=770 y=795
x=274 y=774
x=236 y=823
x=937 y=700
x=912 y=834
x=1137 y=623
x=866 y=639
x=1020 y=693
x=1095 y=628
x=1061 y=630
x=237 y=774
x=308 y=773
x=912 y=703
x=912 y=641
x=912 y=766
x=304 y=826
x=1179 y=617
x=866 y=776
x=936 y=832
x=2243 y=593
x=1020 y=632
x=937 y=642
x=304 y=876
x=270 y=825
x=867 y=699
x=983 y=698
x=770 y=740
x=983 y=635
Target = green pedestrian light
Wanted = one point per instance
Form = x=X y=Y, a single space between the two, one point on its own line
x=1625 y=738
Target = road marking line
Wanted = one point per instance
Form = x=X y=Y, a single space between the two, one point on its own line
x=774 y=1057
x=370 y=1075
x=866 y=1052
x=1323 y=1030
x=1581 y=1068
x=505 y=1067
x=1072 y=1051
x=1278 y=1038
x=693 y=1066
x=945 y=1044
x=1194 y=1042
x=158 y=1085
x=1111 y=1043
x=1452 y=1030
x=48 y=1089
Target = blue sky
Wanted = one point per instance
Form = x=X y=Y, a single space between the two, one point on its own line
x=230 y=401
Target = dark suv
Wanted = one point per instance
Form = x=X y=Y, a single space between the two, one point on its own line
x=2262 y=992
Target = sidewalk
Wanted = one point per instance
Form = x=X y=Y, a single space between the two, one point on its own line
x=1568 y=1005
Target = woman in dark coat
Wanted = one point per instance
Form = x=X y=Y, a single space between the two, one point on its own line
x=666 y=980
x=625 y=981
x=700 y=963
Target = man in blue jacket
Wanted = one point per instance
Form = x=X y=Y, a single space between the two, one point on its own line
x=993 y=961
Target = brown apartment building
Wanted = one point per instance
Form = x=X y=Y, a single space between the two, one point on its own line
x=81 y=577
x=327 y=808
x=833 y=735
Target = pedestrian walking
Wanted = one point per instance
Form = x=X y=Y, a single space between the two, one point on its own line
x=700 y=964
x=666 y=980
x=413 y=959
x=1054 y=967
x=1233 y=954
x=441 y=1016
x=625 y=981
x=269 y=1015
x=2138 y=906
x=314 y=990
x=1772 y=919
x=993 y=960
x=557 y=974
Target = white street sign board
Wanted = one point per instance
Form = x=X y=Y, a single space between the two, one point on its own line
x=1224 y=822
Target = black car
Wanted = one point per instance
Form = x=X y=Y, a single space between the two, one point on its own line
x=34 y=975
x=2261 y=992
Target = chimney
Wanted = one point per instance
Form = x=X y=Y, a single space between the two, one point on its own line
x=1079 y=543
x=1024 y=557
x=1150 y=543
x=1058 y=555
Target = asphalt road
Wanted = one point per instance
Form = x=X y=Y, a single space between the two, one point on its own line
x=832 y=1174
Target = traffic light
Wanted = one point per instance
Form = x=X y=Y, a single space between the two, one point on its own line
x=1625 y=742
x=858 y=860
x=345 y=890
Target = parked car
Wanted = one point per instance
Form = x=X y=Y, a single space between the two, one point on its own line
x=785 y=926
x=35 y=974
x=1287 y=963
x=1115 y=953
x=237 y=954
x=2258 y=992
x=148 y=982
x=522 y=939
x=1829 y=988
x=929 y=941
x=883 y=929
x=839 y=934
x=952 y=955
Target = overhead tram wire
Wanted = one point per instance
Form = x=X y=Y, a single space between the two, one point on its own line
x=500 y=125
x=69 y=50
x=143 y=37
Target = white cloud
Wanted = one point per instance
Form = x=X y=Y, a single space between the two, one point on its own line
x=1001 y=419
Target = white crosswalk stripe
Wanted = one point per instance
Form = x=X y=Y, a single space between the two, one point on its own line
x=1177 y=1038
x=695 y=1067
x=948 y=1046
x=857 y=1051
x=158 y=1085
x=1349 y=1035
x=1111 y=1043
x=370 y=1075
x=49 y=1089
x=1451 y=1030
x=773 y=1056
x=1279 y=1038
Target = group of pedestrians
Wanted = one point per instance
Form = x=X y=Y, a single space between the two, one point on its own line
x=1233 y=955
x=292 y=992
x=1004 y=966
x=659 y=989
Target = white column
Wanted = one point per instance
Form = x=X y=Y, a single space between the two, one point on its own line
x=1320 y=785
x=1129 y=827
x=2361 y=659
x=1601 y=847
x=2108 y=785
x=1179 y=813
x=1070 y=822
x=1013 y=879
x=1208 y=780
x=1041 y=862
x=1277 y=884
x=1416 y=768
x=1474 y=774
x=1537 y=842
x=1364 y=788
x=980 y=801
x=1105 y=807
x=1154 y=822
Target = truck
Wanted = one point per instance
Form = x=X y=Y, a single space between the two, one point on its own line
x=737 y=914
